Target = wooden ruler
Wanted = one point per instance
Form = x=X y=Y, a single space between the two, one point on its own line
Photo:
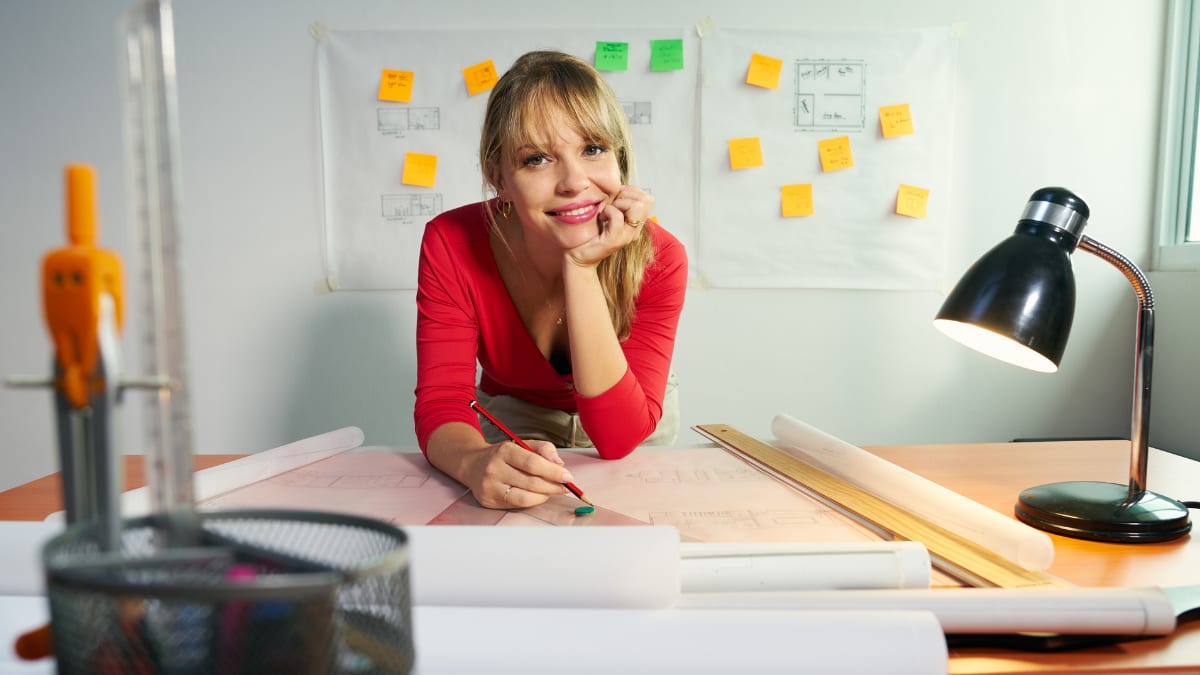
x=952 y=553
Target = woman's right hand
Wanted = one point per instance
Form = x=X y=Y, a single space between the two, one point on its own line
x=507 y=476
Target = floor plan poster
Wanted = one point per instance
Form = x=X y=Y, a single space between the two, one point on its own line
x=401 y=112
x=706 y=493
x=824 y=158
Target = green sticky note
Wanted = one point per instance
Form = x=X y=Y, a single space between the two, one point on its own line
x=612 y=56
x=666 y=55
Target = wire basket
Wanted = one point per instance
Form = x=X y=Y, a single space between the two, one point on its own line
x=254 y=591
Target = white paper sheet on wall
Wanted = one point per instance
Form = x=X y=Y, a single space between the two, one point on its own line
x=373 y=221
x=830 y=84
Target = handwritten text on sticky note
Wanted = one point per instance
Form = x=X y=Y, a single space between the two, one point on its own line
x=797 y=200
x=666 y=55
x=911 y=201
x=612 y=56
x=764 y=71
x=419 y=169
x=480 y=77
x=895 y=120
x=745 y=153
x=835 y=153
x=396 y=86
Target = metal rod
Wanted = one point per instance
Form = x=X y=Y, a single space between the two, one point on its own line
x=1143 y=360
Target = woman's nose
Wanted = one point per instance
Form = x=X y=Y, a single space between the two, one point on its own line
x=572 y=178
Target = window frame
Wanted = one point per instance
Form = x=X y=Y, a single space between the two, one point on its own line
x=1179 y=183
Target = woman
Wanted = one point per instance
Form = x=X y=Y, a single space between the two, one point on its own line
x=561 y=289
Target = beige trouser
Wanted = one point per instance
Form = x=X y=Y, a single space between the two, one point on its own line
x=533 y=422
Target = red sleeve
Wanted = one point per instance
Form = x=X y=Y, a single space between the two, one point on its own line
x=447 y=334
x=625 y=415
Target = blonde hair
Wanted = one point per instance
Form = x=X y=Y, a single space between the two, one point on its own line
x=537 y=86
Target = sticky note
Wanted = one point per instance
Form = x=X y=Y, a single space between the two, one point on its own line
x=797 y=200
x=895 y=120
x=396 y=86
x=612 y=56
x=745 y=153
x=480 y=77
x=419 y=169
x=666 y=55
x=835 y=153
x=764 y=71
x=911 y=201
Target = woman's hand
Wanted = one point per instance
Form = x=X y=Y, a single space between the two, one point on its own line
x=507 y=476
x=620 y=222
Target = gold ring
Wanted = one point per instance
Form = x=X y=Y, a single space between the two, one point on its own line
x=506 y=491
x=636 y=223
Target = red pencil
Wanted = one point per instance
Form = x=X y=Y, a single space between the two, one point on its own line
x=513 y=437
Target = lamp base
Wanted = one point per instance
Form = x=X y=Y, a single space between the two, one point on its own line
x=1102 y=512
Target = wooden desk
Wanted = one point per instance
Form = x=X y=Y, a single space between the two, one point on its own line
x=39 y=498
x=992 y=474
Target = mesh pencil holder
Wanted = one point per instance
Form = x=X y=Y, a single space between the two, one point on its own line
x=251 y=591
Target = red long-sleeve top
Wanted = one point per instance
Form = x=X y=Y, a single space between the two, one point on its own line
x=465 y=316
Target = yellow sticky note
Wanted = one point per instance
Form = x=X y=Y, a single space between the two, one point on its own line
x=797 y=200
x=745 y=153
x=895 y=120
x=419 y=169
x=911 y=201
x=764 y=71
x=835 y=153
x=480 y=77
x=396 y=86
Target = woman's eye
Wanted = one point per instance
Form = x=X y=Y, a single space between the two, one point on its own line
x=594 y=149
x=534 y=160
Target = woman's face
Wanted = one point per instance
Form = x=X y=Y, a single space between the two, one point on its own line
x=558 y=190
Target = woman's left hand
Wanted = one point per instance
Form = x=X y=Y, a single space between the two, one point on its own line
x=620 y=222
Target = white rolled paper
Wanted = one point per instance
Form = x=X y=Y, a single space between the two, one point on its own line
x=787 y=566
x=1072 y=611
x=1006 y=536
x=603 y=567
x=472 y=640
x=21 y=569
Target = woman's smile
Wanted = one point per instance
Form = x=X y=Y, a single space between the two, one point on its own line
x=576 y=212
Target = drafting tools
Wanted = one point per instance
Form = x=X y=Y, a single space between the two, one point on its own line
x=83 y=305
x=152 y=135
x=513 y=437
x=953 y=554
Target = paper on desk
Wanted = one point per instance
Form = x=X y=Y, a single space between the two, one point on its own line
x=21 y=570
x=1007 y=537
x=710 y=495
x=614 y=567
x=396 y=487
x=703 y=492
x=244 y=471
x=697 y=642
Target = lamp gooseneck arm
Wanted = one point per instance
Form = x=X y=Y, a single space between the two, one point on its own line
x=1143 y=354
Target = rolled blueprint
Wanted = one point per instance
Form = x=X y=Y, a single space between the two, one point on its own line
x=606 y=641
x=784 y=566
x=1071 y=611
x=601 y=567
x=1007 y=537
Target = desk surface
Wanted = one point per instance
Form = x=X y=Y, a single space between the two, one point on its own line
x=992 y=474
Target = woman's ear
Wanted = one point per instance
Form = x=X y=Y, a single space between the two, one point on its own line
x=496 y=181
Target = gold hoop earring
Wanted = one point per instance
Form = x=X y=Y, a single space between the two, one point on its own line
x=506 y=209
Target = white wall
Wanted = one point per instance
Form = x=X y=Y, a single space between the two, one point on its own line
x=1049 y=92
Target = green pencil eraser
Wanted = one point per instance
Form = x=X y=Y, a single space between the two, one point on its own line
x=584 y=510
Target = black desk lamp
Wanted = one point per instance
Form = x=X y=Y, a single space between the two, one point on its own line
x=1016 y=304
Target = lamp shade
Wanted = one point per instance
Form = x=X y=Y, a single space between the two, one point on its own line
x=1017 y=302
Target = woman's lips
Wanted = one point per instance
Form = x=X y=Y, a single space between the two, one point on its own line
x=574 y=214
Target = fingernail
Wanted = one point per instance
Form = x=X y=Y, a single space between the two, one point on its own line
x=567 y=477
